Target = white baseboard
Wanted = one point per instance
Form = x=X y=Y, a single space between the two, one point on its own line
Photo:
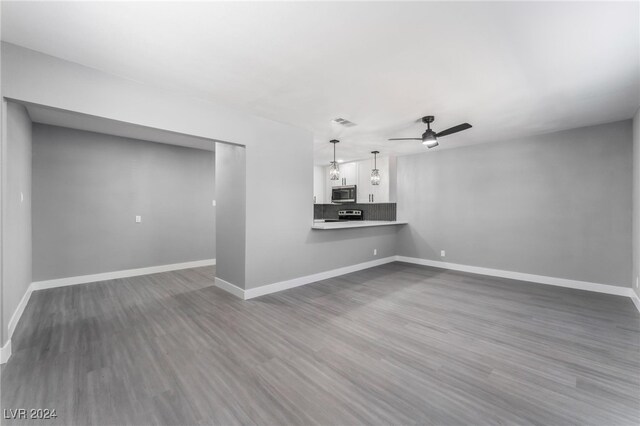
x=296 y=282
x=5 y=352
x=231 y=288
x=308 y=279
x=635 y=299
x=19 y=310
x=540 y=279
x=84 y=279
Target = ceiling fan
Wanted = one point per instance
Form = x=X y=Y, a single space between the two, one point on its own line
x=429 y=137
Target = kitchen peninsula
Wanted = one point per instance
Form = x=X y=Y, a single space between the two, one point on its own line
x=322 y=225
x=343 y=216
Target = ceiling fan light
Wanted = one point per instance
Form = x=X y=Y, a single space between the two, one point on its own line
x=429 y=136
x=375 y=177
x=429 y=139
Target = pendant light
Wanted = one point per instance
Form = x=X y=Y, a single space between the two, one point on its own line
x=375 y=173
x=334 y=170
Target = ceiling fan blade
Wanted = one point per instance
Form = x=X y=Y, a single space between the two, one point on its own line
x=454 y=129
x=405 y=139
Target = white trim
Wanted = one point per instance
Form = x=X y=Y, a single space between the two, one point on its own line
x=5 y=352
x=17 y=314
x=84 y=279
x=296 y=282
x=635 y=299
x=540 y=279
x=231 y=288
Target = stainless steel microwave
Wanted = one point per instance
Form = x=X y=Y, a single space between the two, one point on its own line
x=344 y=194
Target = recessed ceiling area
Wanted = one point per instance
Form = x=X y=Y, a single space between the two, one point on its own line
x=74 y=120
x=511 y=69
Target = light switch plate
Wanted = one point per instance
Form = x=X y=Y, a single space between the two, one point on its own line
x=442 y=253
x=213 y=203
x=138 y=219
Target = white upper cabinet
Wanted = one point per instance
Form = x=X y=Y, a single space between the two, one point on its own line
x=348 y=174
x=319 y=184
x=364 y=183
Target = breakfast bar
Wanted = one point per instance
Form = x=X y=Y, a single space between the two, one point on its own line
x=322 y=225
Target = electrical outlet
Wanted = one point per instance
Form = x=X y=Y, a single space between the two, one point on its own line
x=138 y=219
x=442 y=253
x=375 y=252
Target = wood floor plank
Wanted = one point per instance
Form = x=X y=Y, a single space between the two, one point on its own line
x=395 y=344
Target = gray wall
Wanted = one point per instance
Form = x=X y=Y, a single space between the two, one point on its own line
x=16 y=238
x=88 y=188
x=231 y=209
x=556 y=205
x=279 y=242
x=636 y=203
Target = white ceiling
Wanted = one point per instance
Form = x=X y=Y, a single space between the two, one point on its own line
x=509 y=68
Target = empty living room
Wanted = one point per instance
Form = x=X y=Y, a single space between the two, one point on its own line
x=320 y=213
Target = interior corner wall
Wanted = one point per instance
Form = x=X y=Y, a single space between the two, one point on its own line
x=231 y=213
x=280 y=242
x=88 y=188
x=636 y=203
x=556 y=205
x=16 y=219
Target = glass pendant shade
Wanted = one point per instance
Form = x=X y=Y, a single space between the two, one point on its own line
x=375 y=173
x=375 y=177
x=334 y=171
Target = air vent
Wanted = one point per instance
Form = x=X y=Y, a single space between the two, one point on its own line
x=345 y=123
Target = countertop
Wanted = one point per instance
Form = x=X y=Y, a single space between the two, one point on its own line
x=354 y=224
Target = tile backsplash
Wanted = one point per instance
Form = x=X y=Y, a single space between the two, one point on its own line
x=377 y=211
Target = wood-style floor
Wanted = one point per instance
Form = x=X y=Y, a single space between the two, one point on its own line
x=395 y=344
